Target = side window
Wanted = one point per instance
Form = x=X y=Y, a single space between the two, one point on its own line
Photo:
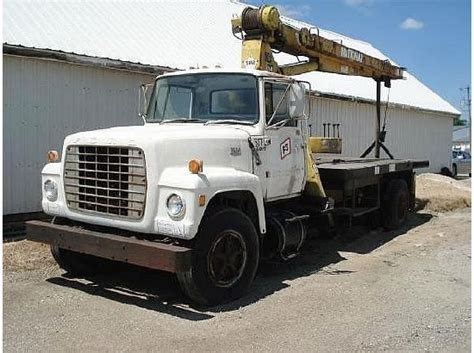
x=273 y=94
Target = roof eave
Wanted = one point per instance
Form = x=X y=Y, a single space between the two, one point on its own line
x=81 y=59
x=391 y=105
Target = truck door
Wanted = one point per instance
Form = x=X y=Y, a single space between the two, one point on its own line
x=282 y=158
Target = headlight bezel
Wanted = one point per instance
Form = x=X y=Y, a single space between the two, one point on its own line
x=50 y=188
x=180 y=213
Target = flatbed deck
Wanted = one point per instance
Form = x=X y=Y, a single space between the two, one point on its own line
x=354 y=168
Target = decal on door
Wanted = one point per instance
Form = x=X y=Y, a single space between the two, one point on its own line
x=285 y=148
x=261 y=143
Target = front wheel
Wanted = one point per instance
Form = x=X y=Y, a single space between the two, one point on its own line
x=77 y=264
x=225 y=258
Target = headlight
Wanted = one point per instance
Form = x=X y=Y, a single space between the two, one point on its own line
x=175 y=205
x=51 y=190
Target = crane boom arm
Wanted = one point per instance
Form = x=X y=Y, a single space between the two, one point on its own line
x=263 y=32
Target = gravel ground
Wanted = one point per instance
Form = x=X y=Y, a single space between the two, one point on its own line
x=380 y=291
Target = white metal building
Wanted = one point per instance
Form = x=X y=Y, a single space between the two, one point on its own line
x=74 y=66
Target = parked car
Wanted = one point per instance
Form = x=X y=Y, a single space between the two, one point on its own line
x=461 y=162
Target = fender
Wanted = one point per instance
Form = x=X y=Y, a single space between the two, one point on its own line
x=210 y=182
x=52 y=169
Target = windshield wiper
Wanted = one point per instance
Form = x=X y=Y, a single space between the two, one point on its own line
x=182 y=120
x=229 y=121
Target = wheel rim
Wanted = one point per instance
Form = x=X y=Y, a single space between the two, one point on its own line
x=227 y=258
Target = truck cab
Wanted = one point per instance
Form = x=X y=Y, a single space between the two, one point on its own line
x=226 y=122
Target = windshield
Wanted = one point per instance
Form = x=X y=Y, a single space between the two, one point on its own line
x=204 y=98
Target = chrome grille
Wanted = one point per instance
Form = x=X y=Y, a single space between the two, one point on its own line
x=105 y=179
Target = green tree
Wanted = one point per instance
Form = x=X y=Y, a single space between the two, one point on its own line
x=458 y=121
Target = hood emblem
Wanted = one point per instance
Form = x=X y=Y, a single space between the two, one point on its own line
x=235 y=151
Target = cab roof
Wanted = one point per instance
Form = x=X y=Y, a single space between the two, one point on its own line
x=257 y=73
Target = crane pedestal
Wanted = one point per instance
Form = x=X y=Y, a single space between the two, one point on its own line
x=379 y=135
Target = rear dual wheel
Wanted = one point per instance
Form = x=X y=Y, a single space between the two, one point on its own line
x=395 y=204
x=225 y=258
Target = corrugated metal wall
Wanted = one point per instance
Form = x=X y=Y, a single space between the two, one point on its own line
x=43 y=101
x=46 y=100
x=410 y=133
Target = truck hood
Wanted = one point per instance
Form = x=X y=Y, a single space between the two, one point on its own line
x=175 y=144
x=156 y=132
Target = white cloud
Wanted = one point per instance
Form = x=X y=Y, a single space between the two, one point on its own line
x=357 y=3
x=363 y=7
x=293 y=11
x=411 y=24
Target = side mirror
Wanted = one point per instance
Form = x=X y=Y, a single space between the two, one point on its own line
x=144 y=94
x=296 y=106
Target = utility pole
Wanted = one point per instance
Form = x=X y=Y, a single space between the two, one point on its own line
x=468 y=91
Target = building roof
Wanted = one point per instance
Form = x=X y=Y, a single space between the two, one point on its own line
x=178 y=35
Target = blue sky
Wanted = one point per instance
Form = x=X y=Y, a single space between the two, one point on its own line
x=431 y=38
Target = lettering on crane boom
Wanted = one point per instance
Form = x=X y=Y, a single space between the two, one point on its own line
x=250 y=63
x=352 y=54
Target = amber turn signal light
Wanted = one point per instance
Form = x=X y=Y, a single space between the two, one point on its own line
x=53 y=156
x=201 y=200
x=195 y=166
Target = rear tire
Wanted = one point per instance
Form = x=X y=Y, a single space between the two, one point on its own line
x=395 y=204
x=78 y=264
x=455 y=170
x=225 y=259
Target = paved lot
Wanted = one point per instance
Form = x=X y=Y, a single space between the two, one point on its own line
x=393 y=291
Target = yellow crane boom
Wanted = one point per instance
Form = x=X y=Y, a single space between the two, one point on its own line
x=263 y=31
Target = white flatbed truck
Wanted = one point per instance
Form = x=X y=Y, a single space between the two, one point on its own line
x=221 y=176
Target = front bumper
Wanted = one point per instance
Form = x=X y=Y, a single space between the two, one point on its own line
x=159 y=256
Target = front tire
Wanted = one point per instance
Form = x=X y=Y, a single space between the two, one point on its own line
x=225 y=258
x=78 y=264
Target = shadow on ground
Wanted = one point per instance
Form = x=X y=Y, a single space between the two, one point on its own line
x=159 y=291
